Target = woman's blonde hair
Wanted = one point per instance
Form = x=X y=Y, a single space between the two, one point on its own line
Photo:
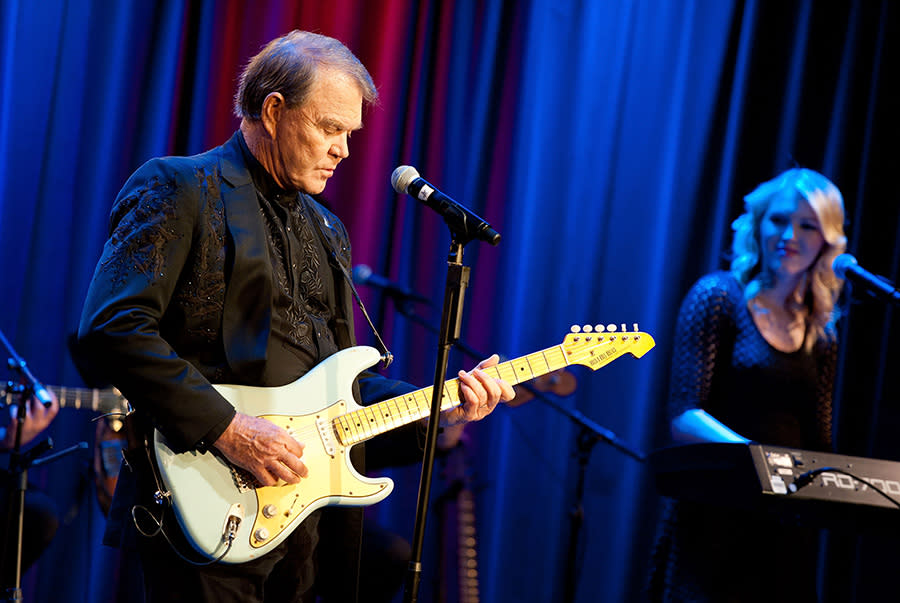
x=822 y=286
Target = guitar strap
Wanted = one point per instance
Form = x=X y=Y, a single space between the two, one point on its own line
x=139 y=457
x=387 y=357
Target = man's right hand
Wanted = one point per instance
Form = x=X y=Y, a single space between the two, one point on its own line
x=262 y=448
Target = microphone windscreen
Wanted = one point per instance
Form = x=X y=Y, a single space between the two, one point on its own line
x=361 y=274
x=841 y=263
x=402 y=177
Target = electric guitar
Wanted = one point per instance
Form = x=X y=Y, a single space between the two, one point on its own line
x=109 y=439
x=225 y=514
x=98 y=400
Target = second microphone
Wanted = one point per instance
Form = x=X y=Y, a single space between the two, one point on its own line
x=363 y=275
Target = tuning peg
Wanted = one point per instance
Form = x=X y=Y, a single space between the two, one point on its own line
x=599 y=328
x=636 y=329
x=611 y=328
x=587 y=328
x=575 y=329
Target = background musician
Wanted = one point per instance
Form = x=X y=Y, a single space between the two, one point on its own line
x=754 y=360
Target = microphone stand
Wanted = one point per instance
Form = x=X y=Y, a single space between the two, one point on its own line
x=18 y=466
x=589 y=434
x=457 y=281
x=20 y=462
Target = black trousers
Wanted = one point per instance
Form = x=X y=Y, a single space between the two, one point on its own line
x=286 y=574
x=385 y=556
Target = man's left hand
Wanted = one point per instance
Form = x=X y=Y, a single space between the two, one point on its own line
x=480 y=393
x=37 y=418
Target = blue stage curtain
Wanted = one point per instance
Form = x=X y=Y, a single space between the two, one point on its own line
x=610 y=143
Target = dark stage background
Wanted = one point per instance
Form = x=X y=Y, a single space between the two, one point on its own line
x=610 y=142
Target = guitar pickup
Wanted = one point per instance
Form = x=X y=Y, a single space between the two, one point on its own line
x=323 y=427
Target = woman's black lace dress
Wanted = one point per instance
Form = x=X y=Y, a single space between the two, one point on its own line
x=722 y=364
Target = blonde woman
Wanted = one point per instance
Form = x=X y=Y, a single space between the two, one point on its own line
x=754 y=360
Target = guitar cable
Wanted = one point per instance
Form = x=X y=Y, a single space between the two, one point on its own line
x=162 y=498
x=228 y=535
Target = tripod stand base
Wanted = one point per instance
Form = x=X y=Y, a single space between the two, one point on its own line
x=14 y=595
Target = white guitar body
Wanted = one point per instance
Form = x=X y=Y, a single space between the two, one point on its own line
x=203 y=486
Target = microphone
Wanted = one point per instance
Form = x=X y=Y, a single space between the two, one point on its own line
x=846 y=267
x=406 y=180
x=41 y=393
x=37 y=388
x=363 y=275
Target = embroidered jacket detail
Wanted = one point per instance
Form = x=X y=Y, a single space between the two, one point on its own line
x=142 y=231
x=202 y=292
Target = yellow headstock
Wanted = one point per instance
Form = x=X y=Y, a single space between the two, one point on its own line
x=596 y=346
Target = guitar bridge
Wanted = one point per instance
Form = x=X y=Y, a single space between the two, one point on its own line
x=243 y=479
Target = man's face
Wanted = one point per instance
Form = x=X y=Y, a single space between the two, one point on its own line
x=310 y=140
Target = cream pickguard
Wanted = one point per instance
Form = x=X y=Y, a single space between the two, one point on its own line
x=318 y=410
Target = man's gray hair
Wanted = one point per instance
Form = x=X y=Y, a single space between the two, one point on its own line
x=290 y=65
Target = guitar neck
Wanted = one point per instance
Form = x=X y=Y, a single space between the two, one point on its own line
x=97 y=400
x=370 y=421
